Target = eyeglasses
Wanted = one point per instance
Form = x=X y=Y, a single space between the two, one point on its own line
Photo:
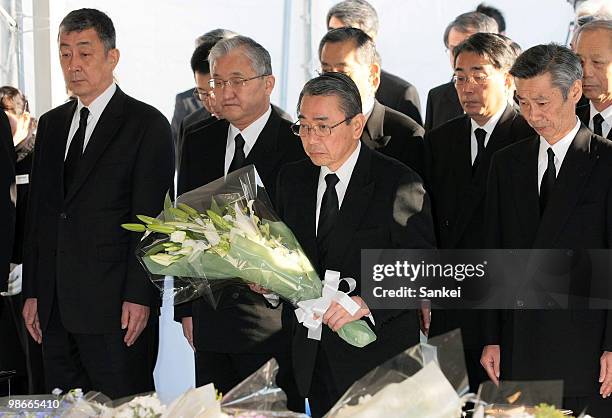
x=201 y=95
x=319 y=130
x=461 y=80
x=235 y=82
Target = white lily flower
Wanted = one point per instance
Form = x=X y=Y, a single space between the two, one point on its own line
x=178 y=236
x=211 y=234
x=246 y=223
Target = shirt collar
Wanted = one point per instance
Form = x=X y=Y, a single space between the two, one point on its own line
x=491 y=123
x=345 y=171
x=97 y=106
x=606 y=113
x=560 y=147
x=251 y=132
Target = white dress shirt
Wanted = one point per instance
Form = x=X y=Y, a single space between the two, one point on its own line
x=607 y=122
x=344 y=174
x=560 y=149
x=488 y=127
x=249 y=134
x=95 y=111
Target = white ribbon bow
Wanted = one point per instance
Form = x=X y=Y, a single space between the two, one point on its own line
x=310 y=309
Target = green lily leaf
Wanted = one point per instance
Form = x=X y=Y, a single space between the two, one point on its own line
x=134 y=227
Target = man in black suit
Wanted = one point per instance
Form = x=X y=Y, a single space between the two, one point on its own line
x=352 y=52
x=594 y=47
x=100 y=160
x=244 y=331
x=459 y=154
x=346 y=198
x=442 y=101
x=7 y=211
x=210 y=111
x=393 y=91
x=186 y=103
x=552 y=190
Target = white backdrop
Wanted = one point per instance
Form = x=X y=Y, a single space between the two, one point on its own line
x=156 y=39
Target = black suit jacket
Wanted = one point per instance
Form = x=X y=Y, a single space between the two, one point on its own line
x=7 y=206
x=584 y=114
x=442 y=105
x=546 y=345
x=385 y=206
x=458 y=197
x=200 y=118
x=396 y=135
x=400 y=95
x=185 y=104
x=76 y=251
x=243 y=321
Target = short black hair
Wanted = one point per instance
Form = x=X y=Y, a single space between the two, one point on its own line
x=494 y=13
x=199 y=58
x=338 y=85
x=364 y=45
x=83 y=19
x=498 y=49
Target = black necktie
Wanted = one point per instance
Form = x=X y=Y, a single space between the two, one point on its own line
x=239 y=157
x=71 y=164
x=327 y=215
x=597 y=121
x=480 y=135
x=548 y=180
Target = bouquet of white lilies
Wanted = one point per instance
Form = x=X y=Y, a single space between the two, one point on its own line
x=227 y=230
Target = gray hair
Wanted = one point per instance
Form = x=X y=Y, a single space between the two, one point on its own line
x=560 y=62
x=594 y=25
x=356 y=14
x=257 y=54
x=83 y=19
x=471 y=21
x=364 y=45
x=214 y=36
x=338 y=85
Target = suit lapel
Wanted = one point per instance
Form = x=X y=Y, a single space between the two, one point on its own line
x=265 y=153
x=475 y=192
x=525 y=181
x=103 y=134
x=305 y=198
x=568 y=189
x=211 y=149
x=462 y=177
x=62 y=127
x=354 y=206
x=373 y=134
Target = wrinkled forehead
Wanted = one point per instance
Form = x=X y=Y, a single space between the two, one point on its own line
x=320 y=107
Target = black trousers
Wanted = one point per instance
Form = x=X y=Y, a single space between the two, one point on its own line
x=226 y=370
x=100 y=362
x=324 y=392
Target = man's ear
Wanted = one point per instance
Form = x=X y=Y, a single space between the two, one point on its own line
x=113 y=56
x=358 y=123
x=375 y=75
x=575 y=91
x=270 y=82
